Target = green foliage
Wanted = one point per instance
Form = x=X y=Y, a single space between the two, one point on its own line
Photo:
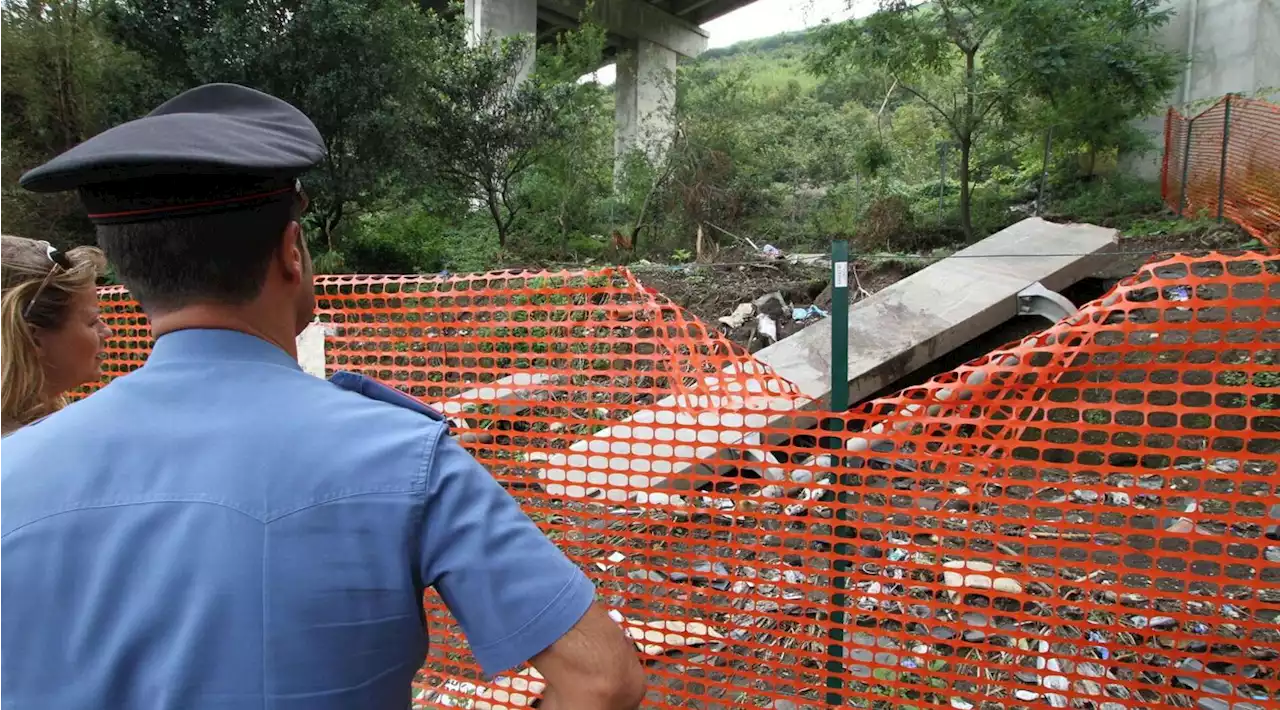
x=404 y=240
x=63 y=80
x=480 y=128
x=918 y=128
x=414 y=238
x=772 y=45
x=1123 y=203
x=1089 y=66
x=873 y=156
x=939 y=53
x=353 y=66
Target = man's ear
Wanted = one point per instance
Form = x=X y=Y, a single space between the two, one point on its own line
x=293 y=261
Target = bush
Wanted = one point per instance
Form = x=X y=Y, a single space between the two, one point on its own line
x=380 y=253
x=992 y=207
x=407 y=240
x=836 y=212
x=1108 y=202
x=886 y=219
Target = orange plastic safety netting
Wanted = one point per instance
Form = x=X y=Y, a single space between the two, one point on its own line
x=1225 y=162
x=1089 y=518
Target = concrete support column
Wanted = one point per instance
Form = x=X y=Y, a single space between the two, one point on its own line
x=645 y=107
x=496 y=19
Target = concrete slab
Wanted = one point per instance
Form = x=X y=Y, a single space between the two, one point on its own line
x=678 y=442
x=310 y=344
x=510 y=395
x=941 y=307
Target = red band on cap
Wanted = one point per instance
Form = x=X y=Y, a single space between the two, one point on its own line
x=193 y=205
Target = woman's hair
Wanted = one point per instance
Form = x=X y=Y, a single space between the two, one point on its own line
x=36 y=290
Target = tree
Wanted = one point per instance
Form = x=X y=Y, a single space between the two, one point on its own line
x=353 y=66
x=64 y=81
x=480 y=129
x=971 y=61
x=1094 y=68
x=933 y=52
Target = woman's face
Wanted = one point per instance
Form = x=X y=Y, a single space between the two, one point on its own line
x=72 y=355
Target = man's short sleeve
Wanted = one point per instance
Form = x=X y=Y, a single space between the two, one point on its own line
x=511 y=589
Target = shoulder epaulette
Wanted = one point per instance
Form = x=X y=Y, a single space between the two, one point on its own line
x=374 y=389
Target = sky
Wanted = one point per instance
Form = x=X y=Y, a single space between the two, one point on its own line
x=770 y=17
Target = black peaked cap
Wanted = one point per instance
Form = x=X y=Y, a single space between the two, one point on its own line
x=214 y=147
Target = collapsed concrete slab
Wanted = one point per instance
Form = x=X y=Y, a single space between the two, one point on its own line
x=933 y=311
x=678 y=442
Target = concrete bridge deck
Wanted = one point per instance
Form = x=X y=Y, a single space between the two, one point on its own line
x=644 y=38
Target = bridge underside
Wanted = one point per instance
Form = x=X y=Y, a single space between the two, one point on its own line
x=645 y=39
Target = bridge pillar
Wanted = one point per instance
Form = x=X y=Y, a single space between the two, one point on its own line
x=645 y=96
x=498 y=19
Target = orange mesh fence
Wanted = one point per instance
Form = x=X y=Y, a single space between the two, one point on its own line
x=1225 y=162
x=1089 y=518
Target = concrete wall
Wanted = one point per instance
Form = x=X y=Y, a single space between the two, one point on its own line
x=1236 y=49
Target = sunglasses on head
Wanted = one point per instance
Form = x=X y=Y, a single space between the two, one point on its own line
x=57 y=260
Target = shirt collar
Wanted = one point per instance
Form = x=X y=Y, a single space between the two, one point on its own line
x=208 y=344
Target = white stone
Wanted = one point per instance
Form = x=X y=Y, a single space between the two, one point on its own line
x=1007 y=585
x=977 y=581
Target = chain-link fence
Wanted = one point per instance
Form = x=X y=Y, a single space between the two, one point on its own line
x=1085 y=519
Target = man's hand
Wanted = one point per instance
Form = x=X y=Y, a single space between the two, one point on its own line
x=592 y=667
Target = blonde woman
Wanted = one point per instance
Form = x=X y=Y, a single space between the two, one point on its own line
x=51 y=336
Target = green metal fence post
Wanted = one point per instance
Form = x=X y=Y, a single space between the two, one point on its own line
x=1186 y=167
x=839 y=403
x=839 y=325
x=1222 y=166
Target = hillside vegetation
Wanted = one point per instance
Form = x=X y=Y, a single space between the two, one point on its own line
x=919 y=128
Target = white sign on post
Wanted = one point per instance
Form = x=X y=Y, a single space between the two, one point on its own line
x=841 y=274
x=311 y=349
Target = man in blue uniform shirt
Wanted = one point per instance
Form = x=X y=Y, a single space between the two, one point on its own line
x=221 y=530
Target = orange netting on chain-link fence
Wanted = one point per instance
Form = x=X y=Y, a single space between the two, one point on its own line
x=1085 y=519
x=1225 y=163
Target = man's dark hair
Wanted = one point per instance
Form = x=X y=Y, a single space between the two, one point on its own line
x=219 y=258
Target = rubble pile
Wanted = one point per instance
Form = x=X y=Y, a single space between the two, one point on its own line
x=767 y=319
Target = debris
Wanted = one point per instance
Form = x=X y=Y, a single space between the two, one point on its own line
x=739 y=316
x=819 y=260
x=766 y=327
x=771 y=252
x=799 y=313
x=762 y=301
